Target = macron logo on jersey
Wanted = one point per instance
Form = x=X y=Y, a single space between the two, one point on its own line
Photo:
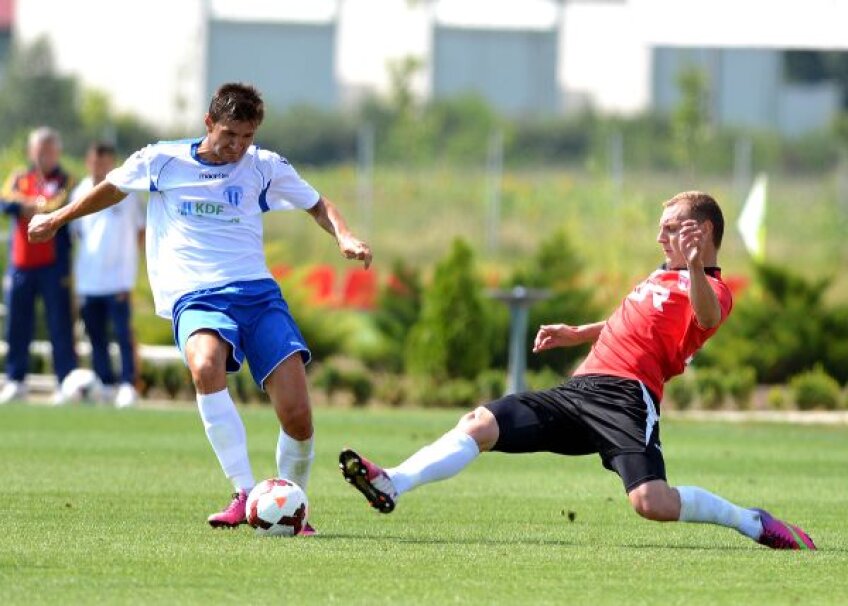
x=214 y=175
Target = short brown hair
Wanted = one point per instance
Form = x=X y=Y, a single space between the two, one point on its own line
x=101 y=148
x=237 y=102
x=703 y=208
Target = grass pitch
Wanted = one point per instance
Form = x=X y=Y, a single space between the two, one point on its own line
x=106 y=506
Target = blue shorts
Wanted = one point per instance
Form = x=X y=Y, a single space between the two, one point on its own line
x=251 y=316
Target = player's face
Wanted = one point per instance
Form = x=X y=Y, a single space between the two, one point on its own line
x=228 y=140
x=669 y=234
x=45 y=155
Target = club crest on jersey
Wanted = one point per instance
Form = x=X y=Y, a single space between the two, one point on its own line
x=233 y=195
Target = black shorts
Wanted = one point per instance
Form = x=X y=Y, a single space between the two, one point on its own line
x=611 y=416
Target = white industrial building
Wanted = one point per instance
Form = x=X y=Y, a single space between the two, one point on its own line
x=162 y=58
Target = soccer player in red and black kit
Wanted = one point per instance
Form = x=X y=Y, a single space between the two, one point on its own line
x=610 y=405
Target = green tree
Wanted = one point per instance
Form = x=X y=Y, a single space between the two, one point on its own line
x=451 y=339
x=557 y=267
x=690 y=119
x=32 y=93
x=398 y=308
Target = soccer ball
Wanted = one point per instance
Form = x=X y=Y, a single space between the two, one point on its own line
x=80 y=385
x=277 y=507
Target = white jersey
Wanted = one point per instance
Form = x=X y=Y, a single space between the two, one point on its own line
x=106 y=260
x=204 y=221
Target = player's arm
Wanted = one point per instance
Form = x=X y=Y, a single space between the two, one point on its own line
x=702 y=297
x=43 y=227
x=551 y=336
x=330 y=219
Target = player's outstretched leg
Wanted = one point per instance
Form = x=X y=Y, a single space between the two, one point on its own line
x=233 y=515
x=476 y=431
x=701 y=506
x=778 y=534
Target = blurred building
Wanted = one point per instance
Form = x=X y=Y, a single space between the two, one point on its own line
x=162 y=58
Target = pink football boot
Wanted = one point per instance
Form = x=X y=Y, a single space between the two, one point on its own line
x=778 y=534
x=233 y=515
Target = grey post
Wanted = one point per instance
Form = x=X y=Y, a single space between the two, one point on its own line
x=519 y=299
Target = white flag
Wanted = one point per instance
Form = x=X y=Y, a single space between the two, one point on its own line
x=751 y=223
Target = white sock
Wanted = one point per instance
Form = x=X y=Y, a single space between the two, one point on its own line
x=442 y=459
x=699 y=505
x=294 y=458
x=226 y=434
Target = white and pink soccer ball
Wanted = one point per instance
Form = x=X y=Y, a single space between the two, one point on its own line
x=277 y=507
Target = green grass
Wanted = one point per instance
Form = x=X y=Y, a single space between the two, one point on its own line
x=105 y=506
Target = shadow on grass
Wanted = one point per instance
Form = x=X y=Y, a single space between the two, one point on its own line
x=545 y=542
x=437 y=541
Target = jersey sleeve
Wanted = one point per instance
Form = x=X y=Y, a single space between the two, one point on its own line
x=287 y=190
x=725 y=298
x=134 y=174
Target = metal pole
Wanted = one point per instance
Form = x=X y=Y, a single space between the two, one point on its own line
x=519 y=300
x=518 y=313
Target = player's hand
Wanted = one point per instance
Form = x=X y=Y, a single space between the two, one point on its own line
x=41 y=228
x=551 y=336
x=691 y=240
x=353 y=248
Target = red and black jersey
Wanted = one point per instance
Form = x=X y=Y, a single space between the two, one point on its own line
x=654 y=333
x=54 y=188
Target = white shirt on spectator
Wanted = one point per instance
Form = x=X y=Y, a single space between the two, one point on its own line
x=106 y=260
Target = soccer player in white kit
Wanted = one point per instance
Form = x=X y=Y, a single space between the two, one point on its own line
x=208 y=274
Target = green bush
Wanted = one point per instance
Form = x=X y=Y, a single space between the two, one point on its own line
x=776 y=398
x=453 y=393
x=336 y=376
x=709 y=384
x=782 y=327
x=239 y=386
x=175 y=379
x=149 y=373
x=360 y=385
x=391 y=389
x=328 y=378
x=451 y=338
x=491 y=384
x=543 y=379
x=739 y=384
x=815 y=389
x=680 y=391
